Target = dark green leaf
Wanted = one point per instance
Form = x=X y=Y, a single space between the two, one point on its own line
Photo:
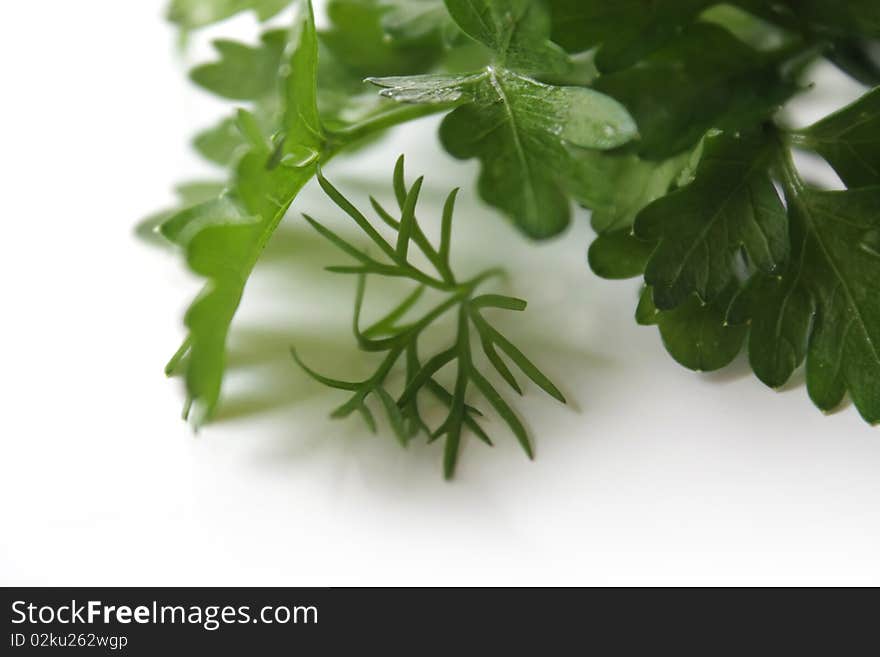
x=858 y=59
x=695 y=334
x=527 y=135
x=704 y=79
x=626 y=30
x=617 y=186
x=844 y=18
x=702 y=227
x=825 y=306
x=619 y=254
x=850 y=140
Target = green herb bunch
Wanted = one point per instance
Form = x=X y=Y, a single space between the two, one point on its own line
x=666 y=120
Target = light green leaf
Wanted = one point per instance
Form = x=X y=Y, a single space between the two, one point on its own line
x=408 y=20
x=357 y=39
x=244 y=72
x=189 y=195
x=192 y=14
x=430 y=89
x=223 y=144
x=224 y=241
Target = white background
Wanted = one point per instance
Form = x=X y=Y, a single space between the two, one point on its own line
x=653 y=475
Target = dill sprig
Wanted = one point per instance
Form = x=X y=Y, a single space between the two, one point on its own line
x=397 y=338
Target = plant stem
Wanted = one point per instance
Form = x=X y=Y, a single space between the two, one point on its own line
x=791 y=179
x=387 y=119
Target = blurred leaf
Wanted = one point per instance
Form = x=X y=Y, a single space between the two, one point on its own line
x=357 y=40
x=517 y=31
x=224 y=238
x=192 y=14
x=626 y=30
x=704 y=79
x=411 y=20
x=243 y=72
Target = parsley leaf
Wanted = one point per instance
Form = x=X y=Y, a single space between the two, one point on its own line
x=695 y=333
x=224 y=238
x=359 y=39
x=529 y=136
x=701 y=228
x=416 y=19
x=850 y=140
x=824 y=307
x=705 y=79
x=517 y=31
x=626 y=30
x=243 y=72
x=192 y=14
x=626 y=185
x=222 y=144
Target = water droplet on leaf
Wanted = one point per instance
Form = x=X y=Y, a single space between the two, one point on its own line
x=299 y=157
